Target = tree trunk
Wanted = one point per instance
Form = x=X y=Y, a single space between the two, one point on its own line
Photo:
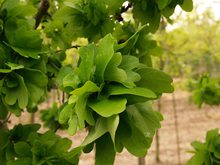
x=141 y=161
x=176 y=128
x=158 y=136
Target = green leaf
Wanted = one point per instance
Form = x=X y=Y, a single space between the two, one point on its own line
x=36 y=83
x=121 y=90
x=133 y=95
x=17 y=9
x=105 y=53
x=65 y=113
x=3 y=109
x=12 y=66
x=83 y=113
x=10 y=4
x=4 y=141
x=114 y=5
x=71 y=80
x=123 y=131
x=113 y=72
x=211 y=135
x=1 y=83
x=23 y=40
x=72 y=99
x=105 y=152
x=108 y=106
x=129 y=44
x=216 y=147
x=199 y=158
x=147 y=13
x=5 y=70
x=22 y=149
x=78 y=105
x=89 y=87
x=198 y=146
x=18 y=94
x=86 y=67
x=81 y=95
x=102 y=126
x=129 y=64
x=20 y=161
x=62 y=145
x=73 y=122
x=137 y=144
x=187 y=5
x=144 y=123
x=162 y=4
x=155 y=80
x=63 y=73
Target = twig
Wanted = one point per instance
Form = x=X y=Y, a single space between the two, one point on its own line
x=71 y=47
x=7 y=119
x=32 y=118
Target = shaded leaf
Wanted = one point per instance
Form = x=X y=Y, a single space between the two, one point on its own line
x=86 y=67
x=155 y=80
x=105 y=53
x=187 y=5
x=18 y=94
x=113 y=72
x=102 y=126
x=105 y=152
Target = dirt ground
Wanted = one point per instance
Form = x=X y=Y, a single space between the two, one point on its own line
x=192 y=125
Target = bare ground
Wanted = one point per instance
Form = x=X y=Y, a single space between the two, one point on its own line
x=192 y=125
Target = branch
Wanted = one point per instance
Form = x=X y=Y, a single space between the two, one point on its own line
x=71 y=47
x=42 y=11
x=123 y=10
x=7 y=119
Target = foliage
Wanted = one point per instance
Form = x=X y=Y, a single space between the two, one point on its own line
x=207 y=91
x=24 y=146
x=110 y=90
x=188 y=48
x=207 y=153
x=50 y=117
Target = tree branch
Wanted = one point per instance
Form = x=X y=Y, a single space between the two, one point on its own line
x=118 y=16
x=42 y=11
x=71 y=47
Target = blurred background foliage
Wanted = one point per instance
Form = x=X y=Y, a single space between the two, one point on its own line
x=192 y=48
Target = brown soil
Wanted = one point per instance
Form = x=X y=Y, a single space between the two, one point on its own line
x=192 y=125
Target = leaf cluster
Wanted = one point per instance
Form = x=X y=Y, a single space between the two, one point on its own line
x=108 y=93
x=207 y=91
x=22 y=145
x=23 y=79
x=50 y=117
x=207 y=153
